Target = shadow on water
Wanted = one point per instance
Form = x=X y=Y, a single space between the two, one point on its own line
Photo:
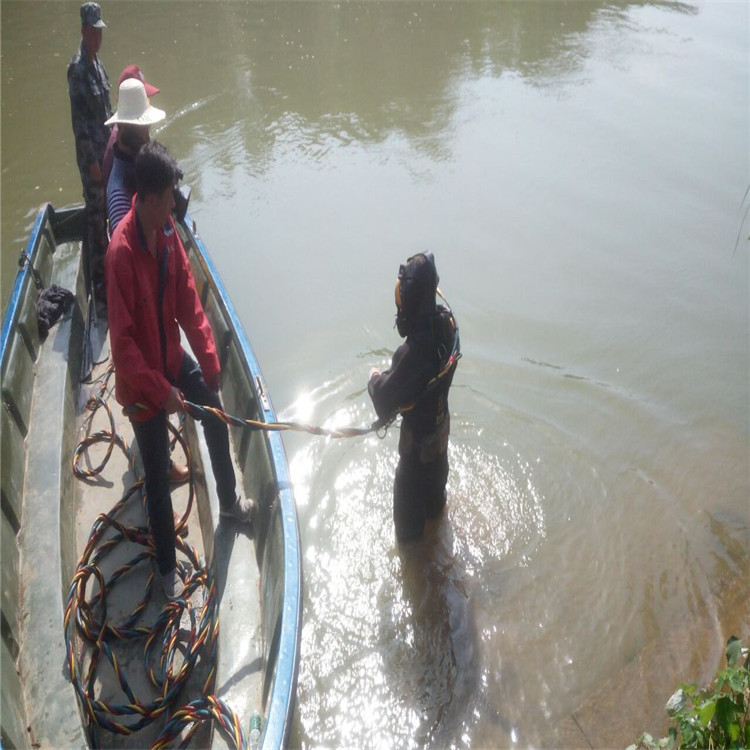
x=443 y=651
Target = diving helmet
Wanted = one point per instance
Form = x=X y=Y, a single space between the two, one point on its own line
x=415 y=292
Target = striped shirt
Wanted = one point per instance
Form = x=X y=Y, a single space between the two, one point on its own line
x=120 y=188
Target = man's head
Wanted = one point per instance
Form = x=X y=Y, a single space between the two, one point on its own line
x=91 y=26
x=156 y=175
x=415 y=292
x=91 y=15
x=130 y=138
x=133 y=71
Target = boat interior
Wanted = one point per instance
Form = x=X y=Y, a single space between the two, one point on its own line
x=74 y=525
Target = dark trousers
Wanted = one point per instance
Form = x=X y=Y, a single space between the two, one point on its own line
x=95 y=199
x=418 y=494
x=152 y=437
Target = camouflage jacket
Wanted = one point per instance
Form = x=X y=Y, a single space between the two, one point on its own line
x=88 y=87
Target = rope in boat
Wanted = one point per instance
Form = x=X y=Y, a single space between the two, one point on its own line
x=168 y=659
x=380 y=426
x=210 y=707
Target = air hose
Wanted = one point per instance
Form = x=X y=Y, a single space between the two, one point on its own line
x=169 y=657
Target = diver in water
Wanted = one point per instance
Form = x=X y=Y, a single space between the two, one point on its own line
x=417 y=385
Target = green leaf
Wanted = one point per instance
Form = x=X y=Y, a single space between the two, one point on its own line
x=726 y=709
x=706 y=712
x=734 y=732
x=736 y=679
x=688 y=735
x=689 y=688
x=733 y=650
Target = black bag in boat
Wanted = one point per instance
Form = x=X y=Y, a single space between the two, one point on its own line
x=50 y=307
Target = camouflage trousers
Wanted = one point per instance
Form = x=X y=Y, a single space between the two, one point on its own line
x=95 y=242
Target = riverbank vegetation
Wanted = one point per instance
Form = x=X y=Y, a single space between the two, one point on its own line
x=714 y=717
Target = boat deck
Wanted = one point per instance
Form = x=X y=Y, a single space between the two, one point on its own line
x=51 y=548
x=228 y=546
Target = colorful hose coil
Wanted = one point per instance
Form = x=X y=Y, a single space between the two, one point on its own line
x=171 y=650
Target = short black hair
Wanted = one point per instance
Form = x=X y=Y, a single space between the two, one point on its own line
x=155 y=169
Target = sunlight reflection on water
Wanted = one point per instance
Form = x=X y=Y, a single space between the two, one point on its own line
x=391 y=631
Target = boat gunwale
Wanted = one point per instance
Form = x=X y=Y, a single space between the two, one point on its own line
x=12 y=309
x=47 y=360
x=283 y=688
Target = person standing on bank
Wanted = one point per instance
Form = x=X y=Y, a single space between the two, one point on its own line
x=133 y=119
x=152 y=295
x=88 y=87
x=417 y=384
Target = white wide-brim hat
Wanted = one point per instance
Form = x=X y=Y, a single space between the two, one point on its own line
x=133 y=107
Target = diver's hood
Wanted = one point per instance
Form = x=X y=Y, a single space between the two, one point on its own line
x=415 y=291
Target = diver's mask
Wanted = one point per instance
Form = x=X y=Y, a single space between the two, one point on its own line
x=415 y=291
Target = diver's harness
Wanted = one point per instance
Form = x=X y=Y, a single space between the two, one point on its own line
x=449 y=362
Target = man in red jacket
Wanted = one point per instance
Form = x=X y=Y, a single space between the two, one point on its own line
x=151 y=295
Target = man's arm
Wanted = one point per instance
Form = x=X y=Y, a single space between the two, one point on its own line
x=396 y=386
x=192 y=319
x=118 y=204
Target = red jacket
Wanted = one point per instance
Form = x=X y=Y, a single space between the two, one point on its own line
x=132 y=279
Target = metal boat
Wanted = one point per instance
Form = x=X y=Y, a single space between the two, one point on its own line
x=58 y=690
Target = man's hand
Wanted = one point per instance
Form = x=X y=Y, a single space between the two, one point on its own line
x=174 y=401
x=373 y=372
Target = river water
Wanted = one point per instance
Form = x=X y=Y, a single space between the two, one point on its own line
x=580 y=171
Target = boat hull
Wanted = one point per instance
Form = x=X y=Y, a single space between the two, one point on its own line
x=42 y=411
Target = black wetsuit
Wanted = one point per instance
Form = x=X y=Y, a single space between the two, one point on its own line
x=422 y=472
